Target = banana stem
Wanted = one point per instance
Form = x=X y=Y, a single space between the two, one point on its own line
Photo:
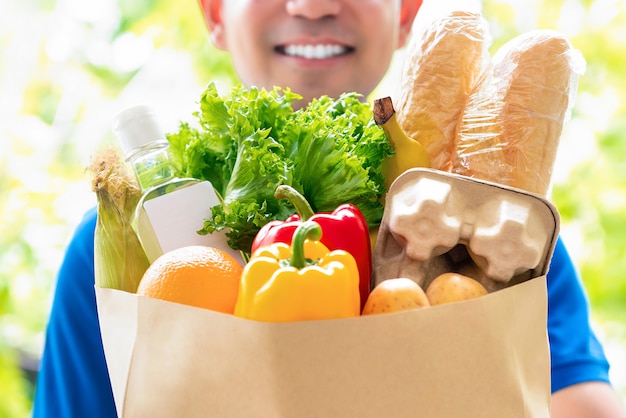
x=383 y=110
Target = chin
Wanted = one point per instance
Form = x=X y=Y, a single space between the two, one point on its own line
x=297 y=104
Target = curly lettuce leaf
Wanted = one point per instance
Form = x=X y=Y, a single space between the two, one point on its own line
x=250 y=141
x=210 y=150
x=339 y=156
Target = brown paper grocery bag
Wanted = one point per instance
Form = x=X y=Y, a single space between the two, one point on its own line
x=486 y=357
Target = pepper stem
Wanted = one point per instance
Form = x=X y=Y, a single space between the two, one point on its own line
x=309 y=229
x=298 y=201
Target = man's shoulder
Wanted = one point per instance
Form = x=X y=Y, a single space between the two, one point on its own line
x=85 y=229
x=88 y=222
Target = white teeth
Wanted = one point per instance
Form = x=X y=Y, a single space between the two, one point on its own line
x=315 y=51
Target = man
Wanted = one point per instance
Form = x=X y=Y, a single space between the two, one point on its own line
x=314 y=47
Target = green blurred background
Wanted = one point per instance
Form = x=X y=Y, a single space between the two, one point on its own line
x=67 y=66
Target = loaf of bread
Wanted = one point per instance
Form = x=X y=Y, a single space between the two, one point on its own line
x=443 y=62
x=511 y=126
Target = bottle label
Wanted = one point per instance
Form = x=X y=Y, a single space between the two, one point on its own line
x=177 y=216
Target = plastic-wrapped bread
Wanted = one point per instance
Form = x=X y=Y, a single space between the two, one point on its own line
x=443 y=62
x=510 y=129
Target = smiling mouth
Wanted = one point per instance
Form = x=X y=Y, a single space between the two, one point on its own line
x=319 y=51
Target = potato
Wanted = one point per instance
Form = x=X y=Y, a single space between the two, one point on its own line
x=394 y=295
x=453 y=287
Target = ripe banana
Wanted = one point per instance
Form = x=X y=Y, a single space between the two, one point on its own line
x=409 y=153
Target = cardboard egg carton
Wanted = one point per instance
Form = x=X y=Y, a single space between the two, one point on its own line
x=437 y=222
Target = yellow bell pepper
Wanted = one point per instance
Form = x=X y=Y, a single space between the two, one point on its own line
x=304 y=281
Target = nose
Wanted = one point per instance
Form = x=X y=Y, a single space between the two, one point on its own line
x=313 y=9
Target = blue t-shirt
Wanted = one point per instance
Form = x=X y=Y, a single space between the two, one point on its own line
x=73 y=379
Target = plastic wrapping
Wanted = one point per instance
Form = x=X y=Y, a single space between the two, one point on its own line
x=498 y=119
x=510 y=128
x=443 y=61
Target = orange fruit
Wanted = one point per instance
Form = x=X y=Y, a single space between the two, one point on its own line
x=200 y=276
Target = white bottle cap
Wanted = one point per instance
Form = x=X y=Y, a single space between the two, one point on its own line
x=137 y=126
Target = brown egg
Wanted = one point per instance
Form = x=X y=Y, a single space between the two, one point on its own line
x=453 y=287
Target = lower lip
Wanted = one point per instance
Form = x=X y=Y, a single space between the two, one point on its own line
x=315 y=63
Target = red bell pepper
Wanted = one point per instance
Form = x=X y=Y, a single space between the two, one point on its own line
x=345 y=228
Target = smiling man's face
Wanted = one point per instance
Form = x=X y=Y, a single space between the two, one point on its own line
x=314 y=47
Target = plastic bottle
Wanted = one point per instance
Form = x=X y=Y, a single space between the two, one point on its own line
x=171 y=209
